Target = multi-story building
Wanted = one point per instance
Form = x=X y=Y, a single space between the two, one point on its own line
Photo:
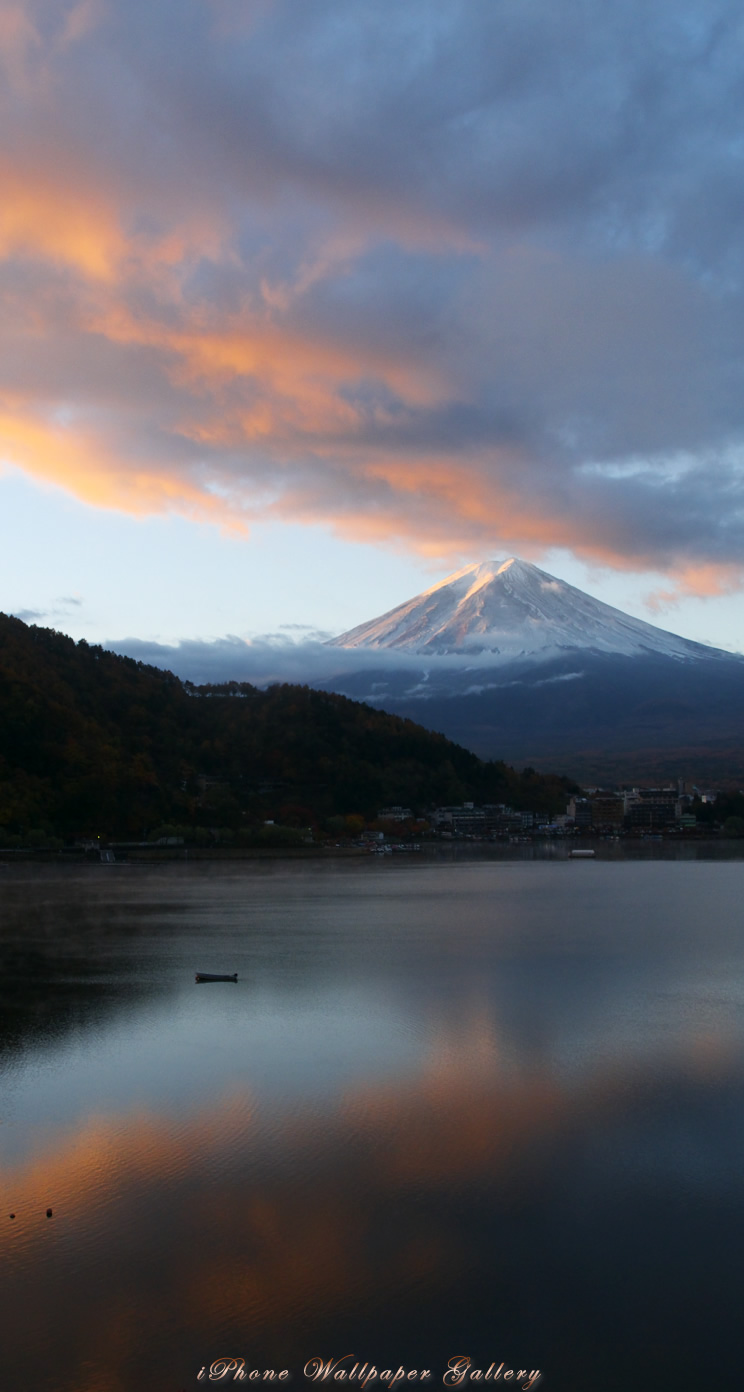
x=608 y=811
x=466 y=820
x=650 y=808
x=579 y=810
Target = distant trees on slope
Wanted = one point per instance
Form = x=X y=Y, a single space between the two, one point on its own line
x=94 y=743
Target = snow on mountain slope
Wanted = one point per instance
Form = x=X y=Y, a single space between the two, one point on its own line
x=506 y=610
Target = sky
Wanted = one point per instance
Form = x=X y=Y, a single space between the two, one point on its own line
x=305 y=304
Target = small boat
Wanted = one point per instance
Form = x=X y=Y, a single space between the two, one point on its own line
x=581 y=855
x=208 y=976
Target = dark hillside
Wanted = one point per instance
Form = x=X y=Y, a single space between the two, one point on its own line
x=94 y=743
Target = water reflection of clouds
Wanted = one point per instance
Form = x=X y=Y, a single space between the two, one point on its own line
x=408 y=1083
x=243 y=1216
x=285 y=1047
x=317 y=1028
x=165 y=1055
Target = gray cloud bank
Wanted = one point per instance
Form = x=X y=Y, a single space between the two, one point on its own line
x=448 y=273
x=268 y=659
x=271 y=658
x=60 y=608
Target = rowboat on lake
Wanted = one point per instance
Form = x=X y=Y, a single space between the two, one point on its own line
x=207 y=976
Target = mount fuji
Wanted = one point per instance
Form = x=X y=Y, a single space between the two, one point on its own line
x=510 y=610
x=517 y=664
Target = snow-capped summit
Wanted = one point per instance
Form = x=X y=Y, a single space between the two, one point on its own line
x=504 y=610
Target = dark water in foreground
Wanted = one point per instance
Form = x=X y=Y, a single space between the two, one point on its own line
x=492 y=1109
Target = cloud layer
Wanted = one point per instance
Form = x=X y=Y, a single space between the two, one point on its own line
x=271 y=658
x=466 y=276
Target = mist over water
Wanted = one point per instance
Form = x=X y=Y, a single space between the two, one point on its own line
x=482 y=1107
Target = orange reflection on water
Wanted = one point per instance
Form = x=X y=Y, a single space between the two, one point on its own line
x=170 y=1232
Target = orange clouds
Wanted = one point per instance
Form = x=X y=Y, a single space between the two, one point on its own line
x=319 y=297
x=42 y=221
x=699 y=582
x=72 y=458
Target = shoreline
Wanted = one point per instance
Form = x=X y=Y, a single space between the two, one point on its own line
x=542 y=848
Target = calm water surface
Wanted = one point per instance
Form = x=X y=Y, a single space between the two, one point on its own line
x=465 y=1107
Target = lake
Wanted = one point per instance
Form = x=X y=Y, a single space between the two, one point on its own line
x=456 y=1107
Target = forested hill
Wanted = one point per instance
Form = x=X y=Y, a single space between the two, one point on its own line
x=94 y=743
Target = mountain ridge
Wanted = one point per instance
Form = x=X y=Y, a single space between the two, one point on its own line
x=501 y=656
x=501 y=611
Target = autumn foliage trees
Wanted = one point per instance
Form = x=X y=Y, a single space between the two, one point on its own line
x=93 y=743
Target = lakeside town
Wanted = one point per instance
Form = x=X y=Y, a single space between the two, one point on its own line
x=677 y=809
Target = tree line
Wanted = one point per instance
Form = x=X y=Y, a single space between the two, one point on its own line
x=96 y=744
